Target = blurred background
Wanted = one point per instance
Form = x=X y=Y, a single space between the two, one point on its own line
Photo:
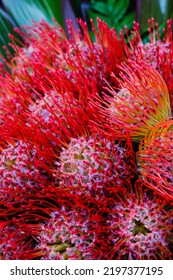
x=117 y=13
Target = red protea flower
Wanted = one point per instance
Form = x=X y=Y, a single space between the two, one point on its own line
x=139 y=227
x=21 y=226
x=158 y=52
x=62 y=225
x=45 y=114
x=154 y=158
x=47 y=51
x=50 y=62
x=71 y=233
x=79 y=50
x=141 y=102
x=15 y=241
x=65 y=236
x=14 y=103
x=58 y=115
x=95 y=166
x=23 y=173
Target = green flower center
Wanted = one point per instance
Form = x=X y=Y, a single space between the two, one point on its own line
x=140 y=228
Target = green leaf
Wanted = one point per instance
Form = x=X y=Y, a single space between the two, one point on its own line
x=128 y=20
x=119 y=9
x=100 y=8
x=114 y=12
x=94 y=16
x=111 y=2
x=6 y=27
x=55 y=9
x=24 y=11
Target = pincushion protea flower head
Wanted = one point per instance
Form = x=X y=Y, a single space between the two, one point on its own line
x=66 y=235
x=155 y=163
x=141 y=102
x=22 y=173
x=66 y=228
x=158 y=52
x=139 y=226
x=15 y=241
x=49 y=48
x=95 y=166
x=21 y=227
x=55 y=114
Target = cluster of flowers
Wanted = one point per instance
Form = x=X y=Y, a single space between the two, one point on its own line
x=86 y=144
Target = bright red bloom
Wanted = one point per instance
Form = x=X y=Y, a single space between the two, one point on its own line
x=95 y=166
x=49 y=46
x=67 y=235
x=15 y=241
x=59 y=116
x=154 y=158
x=63 y=226
x=158 y=52
x=139 y=227
x=50 y=62
x=23 y=173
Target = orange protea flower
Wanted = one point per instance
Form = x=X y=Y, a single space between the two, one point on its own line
x=155 y=163
x=141 y=102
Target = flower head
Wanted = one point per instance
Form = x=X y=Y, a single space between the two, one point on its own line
x=155 y=164
x=22 y=174
x=70 y=233
x=95 y=166
x=54 y=114
x=49 y=46
x=139 y=227
x=158 y=52
x=16 y=243
x=141 y=102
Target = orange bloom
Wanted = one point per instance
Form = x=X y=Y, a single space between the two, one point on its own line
x=155 y=159
x=141 y=102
